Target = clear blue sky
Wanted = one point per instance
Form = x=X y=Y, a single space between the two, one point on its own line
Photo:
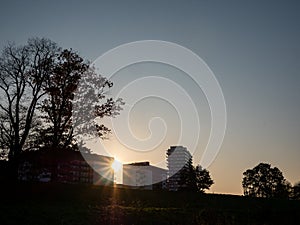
x=252 y=47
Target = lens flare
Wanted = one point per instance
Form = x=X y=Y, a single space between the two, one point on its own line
x=116 y=165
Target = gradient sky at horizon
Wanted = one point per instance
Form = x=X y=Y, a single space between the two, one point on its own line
x=252 y=48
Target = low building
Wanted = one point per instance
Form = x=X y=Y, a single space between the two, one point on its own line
x=144 y=176
x=65 y=166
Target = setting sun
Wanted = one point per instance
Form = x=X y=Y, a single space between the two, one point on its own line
x=116 y=165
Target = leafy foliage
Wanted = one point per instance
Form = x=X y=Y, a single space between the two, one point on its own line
x=195 y=178
x=57 y=107
x=203 y=179
x=296 y=191
x=40 y=75
x=188 y=180
x=265 y=181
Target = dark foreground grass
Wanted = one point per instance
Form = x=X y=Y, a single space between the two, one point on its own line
x=74 y=205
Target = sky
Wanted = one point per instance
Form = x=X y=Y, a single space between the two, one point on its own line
x=251 y=47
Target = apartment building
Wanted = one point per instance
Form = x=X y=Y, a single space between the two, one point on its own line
x=178 y=158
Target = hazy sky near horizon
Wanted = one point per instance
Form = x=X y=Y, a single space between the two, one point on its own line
x=252 y=48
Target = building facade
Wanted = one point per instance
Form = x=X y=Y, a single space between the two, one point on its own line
x=178 y=158
x=144 y=176
x=66 y=166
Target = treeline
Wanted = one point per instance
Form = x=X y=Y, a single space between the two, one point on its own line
x=263 y=181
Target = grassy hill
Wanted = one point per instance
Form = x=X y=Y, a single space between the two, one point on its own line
x=72 y=204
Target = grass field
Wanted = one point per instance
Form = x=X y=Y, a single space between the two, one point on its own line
x=71 y=204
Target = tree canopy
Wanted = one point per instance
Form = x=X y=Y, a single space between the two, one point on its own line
x=57 y=106
x=265 y=181
x=296 y=191
x=38 y=82
x=203 y=179
x=23 y=72
x=195 y=179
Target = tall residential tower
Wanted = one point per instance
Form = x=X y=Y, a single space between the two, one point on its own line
x=178 y=158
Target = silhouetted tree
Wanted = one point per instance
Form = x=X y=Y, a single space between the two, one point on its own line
x=296 y=191
x=203 y=179
x=57 y=106
x=195 y=178
x=23 y=70
x=91 y=103
x=41 y=74
x=70 y=72
x=188 y=180
x=265 y=181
